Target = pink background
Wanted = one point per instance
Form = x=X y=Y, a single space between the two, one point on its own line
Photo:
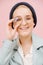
x=5 y=7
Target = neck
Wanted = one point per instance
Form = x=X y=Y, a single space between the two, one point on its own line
x=26 y=43
x=26 y=40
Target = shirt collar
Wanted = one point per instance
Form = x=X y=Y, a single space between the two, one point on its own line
x=37 y=42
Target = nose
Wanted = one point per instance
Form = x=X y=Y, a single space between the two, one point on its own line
x=23 y=22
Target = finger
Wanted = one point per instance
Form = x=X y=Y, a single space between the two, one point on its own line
x=15 y=29
x=18 y=25
x=10 y=22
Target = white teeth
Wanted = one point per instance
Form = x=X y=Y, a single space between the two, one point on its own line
x=24 y=28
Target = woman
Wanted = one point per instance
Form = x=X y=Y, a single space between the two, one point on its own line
x=22 y=47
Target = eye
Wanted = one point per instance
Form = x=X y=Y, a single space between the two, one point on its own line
x=17 y=19
x=28 y=18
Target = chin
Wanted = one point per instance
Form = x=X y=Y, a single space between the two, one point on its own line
x=24 y=34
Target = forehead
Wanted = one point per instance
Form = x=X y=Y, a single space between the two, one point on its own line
x=22 y=10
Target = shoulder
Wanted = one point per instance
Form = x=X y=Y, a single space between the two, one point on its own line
x=37 y=41
x=37 y=38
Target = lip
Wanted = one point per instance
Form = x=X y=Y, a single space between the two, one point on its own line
x=24 y=28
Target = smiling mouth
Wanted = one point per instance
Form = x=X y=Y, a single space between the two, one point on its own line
x=24 y=28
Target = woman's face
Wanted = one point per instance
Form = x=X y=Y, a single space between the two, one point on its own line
x=23 y=15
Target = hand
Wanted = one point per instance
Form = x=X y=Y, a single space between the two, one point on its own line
x=12 y=33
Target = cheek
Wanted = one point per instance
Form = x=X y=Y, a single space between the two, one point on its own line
x=31 y=24
x=31 y=27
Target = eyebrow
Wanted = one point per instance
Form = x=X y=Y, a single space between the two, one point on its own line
x=25 y=16
x=28 y=15
x=18 y=16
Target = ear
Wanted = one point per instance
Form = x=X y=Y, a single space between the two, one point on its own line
x=33 y=24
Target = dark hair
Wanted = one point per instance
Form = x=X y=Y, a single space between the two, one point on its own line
x=26 y=4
